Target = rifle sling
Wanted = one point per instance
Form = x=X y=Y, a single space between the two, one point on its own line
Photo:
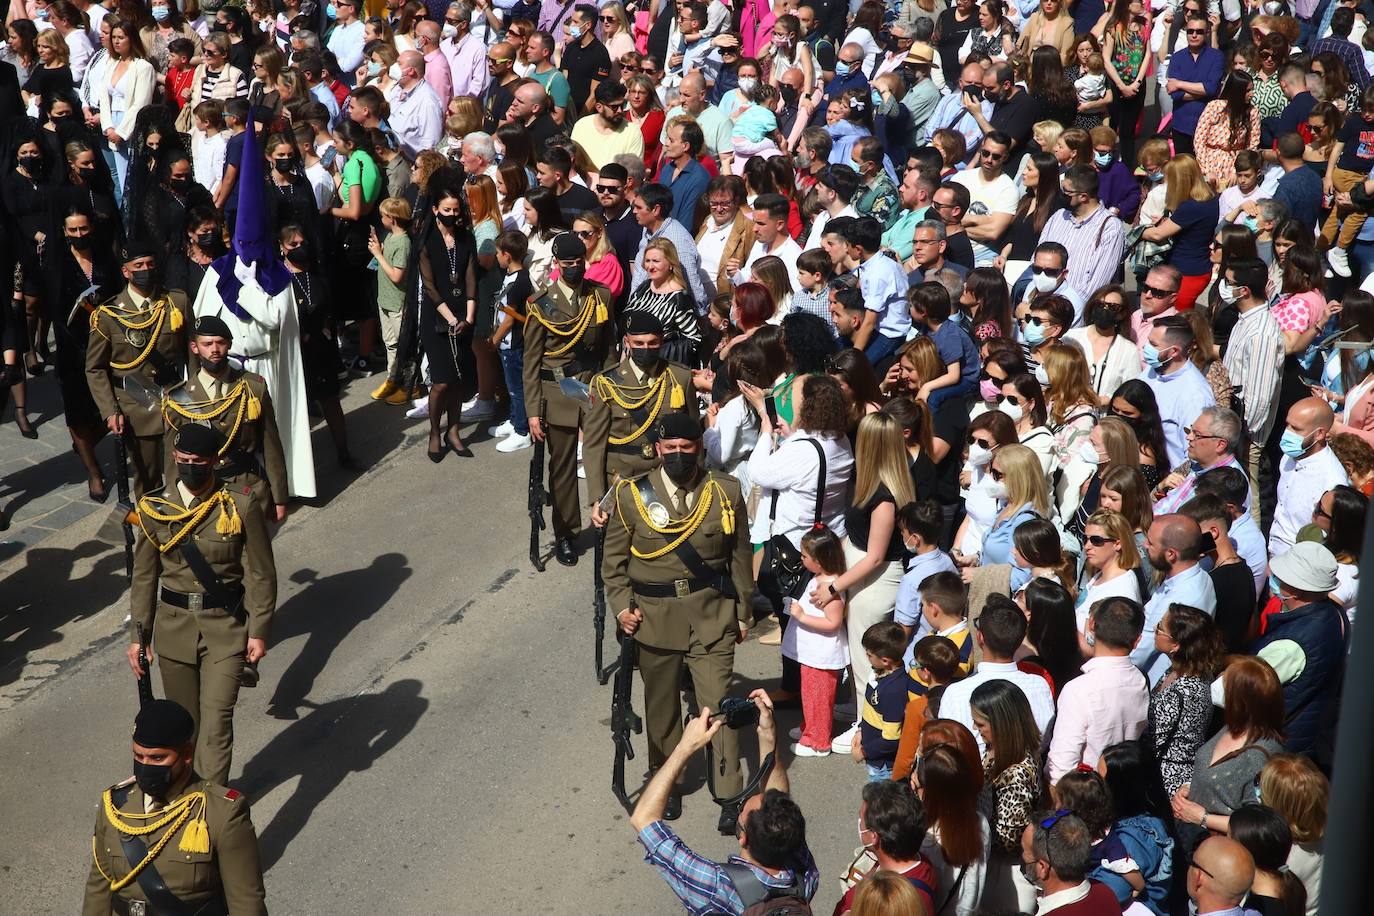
x=149 y=880
x=216 y=595
x=720 y=580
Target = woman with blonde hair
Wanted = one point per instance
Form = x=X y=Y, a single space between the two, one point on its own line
x=1124 y=490
x=886 y=893
x=613 y=28
x=602 y=265
x=1292 y=785
x=486 y=228
x=1024 y=495
x=1072 y=402
x=770 y=271
x=52 y=75
x=1193 y=217
x=872 y=547
x=1112 y=443
x=666 y=295
x=1110 y=560
x=468 y=111
x=644 y=111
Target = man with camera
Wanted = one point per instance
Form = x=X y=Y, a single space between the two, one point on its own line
x=678 y=568
x=774 y=862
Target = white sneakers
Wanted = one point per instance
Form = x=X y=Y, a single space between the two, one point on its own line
x=513 y=443
x=1339 y=261
x=420 y=410
x=844 y=743
x=802 y=750
x=502 y=429
x=479 y=410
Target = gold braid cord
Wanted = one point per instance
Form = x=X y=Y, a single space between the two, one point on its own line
x=572 y=330
x=195 y=839
x=169 y=513
x=680 y=530
x=156 y=315
x=610 y=391
x=241 y=397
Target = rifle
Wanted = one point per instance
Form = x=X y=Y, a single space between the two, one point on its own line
x=623 y=718
x=126 y=503
x=603 y=674
x=145 y=680
x=538 y=496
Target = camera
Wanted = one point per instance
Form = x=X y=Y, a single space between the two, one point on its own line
x=737 y=712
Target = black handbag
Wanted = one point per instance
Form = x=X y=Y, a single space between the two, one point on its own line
x=781 y=560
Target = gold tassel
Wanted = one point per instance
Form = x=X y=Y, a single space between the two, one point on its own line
x=196 y=836
x=229 y=522
x=677 y=400
x=727 y=515
x=176 y=319
x=254 y=407
x=601 y=314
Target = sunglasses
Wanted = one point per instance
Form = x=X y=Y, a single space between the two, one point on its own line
x=607 y=188
x=499 y=60
x=983 y=376
x=985 y=443
x=1195 y=31
x=1098 y=540
x=607 y=18
x=1155 y=291
x=1030 y=319
x=1266 y=55
x=1009 y=399
x=993 y=157
x=585 y=234
x=1046 y=271
x=1319 y=512
x=648 y=70
x=996 y=475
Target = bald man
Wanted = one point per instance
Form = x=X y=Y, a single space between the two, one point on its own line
x=417 y=115
x=1220 y=876
x=530 y=109
x=849 y=74
x=501 y=90
x=715 y=126
x=437 y=73
x=1308 y=469
x=950 y=111
x=1174 y=546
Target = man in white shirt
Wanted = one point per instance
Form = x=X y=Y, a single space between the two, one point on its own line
x=770 y=232
x=417 y=115
x=994 y=197
x=999 y=631
x=1309 y=468
x=1254 y=355
x=1109 y=702
x=346 y=39
x=835 y=188
x=1180 y=390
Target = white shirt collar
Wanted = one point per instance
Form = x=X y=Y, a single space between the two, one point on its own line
x=1063 y=898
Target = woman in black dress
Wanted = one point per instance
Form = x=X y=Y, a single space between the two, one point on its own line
x=202 y=243
x=290 y=199
x=448 y=311
x=154 y=141
x=166 y=207
x=85 y=183
x=71 y=268
x=26 y=199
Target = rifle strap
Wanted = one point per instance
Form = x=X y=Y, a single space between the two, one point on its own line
x=698 y=568
x=149 y=880
x=216 y=594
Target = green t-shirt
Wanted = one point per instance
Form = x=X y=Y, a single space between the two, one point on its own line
x=396 y=248
x=361 y=170
x=555 y=84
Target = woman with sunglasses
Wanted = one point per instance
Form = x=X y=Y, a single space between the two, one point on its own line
x=986 y=435
x=1023 y=400
x=1001 y=361
x=613 y=28
x=1018 y=483
x=1112 y=357
x=1111 y=560
x=602 y=265
x=215 y=77
x=1340 y=514
x=1266 y=93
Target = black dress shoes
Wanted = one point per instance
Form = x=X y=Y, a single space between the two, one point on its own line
x=673 y=810
x=564 y=552
x=729 y=819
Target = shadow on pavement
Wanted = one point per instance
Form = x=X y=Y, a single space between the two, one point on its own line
x=337 y=738
x=328 y=611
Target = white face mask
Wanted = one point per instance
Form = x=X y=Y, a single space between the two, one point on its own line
x=394 y=71
x=1088 y=454
x=997 y=489
x=1045 y=282
x=1015 y=411
x=450 y=30
x=1227 y=292
x=978 y=455
x=747 y=84
x=1042 y=375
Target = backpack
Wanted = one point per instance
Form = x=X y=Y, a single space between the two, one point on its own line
x=759 y=898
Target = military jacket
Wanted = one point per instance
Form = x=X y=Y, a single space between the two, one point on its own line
x=155 y=354
x=608 y=419
x=590 y=347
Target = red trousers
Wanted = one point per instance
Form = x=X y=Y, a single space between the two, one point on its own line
x=818 y=686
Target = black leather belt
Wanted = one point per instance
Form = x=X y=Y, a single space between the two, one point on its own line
x=678 y=588
x=215 y=906
x=193 y=601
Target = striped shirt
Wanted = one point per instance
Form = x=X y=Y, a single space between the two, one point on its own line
x=817 y=304
x=1254 y=360
x=1095 y=245
x=674 y=309
x=704 y=886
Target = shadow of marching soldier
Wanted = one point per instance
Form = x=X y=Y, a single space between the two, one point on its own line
x=337 y=738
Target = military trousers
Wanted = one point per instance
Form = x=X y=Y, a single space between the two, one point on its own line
x=208 y=689
x=146 y=461
x=563 y=490
x=711 y=666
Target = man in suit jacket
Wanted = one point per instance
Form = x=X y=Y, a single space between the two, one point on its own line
x=727 y=233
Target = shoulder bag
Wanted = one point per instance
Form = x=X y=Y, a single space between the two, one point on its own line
x=781 y=560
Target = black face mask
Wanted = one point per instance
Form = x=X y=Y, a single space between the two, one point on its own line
x=680 y=467
x=31 y=164
x=155 y=779
x=194 y=476
x=789 y=96
x=448 y=219
x=300 y=257
x=285 y=166
x=144 y=279
x=214 y=367
x=1104 y=319
x=80 y=242
x=645 y=356
x=209 y=240
x=178 y=185
x=572 y=275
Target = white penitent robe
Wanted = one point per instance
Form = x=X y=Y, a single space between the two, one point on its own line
x=269 y=343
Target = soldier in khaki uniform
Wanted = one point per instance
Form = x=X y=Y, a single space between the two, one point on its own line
x=237 y=404
x=568 y=334
x=168 y=841
x=626 y=403
x=141 y=333
x=203 y=631
x=678 y=569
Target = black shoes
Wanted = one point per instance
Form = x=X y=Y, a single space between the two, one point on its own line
x=673 y=810
x=729 y=819
x=564 y=552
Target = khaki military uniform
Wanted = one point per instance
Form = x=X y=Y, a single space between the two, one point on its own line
x=240 y=408
x=218 y=869
x=567 y=335
x=200 y=648
x=132 y=335
x=696 y=621
x=618 y=427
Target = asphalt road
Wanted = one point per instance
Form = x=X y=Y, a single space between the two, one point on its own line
x=427 y=738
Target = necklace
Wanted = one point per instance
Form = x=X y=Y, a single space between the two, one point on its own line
x=451 y=252
x=303 y=285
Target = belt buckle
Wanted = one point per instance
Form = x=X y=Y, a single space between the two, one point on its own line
x=681 y=588
x=195 y=602
x=138 y=908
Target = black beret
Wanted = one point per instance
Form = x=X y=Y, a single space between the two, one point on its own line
x=139 y=248
x=163 y=723
x=202 y=441
x=212 y=326
x=679 y=426
x=566 y=246
x=640 y=322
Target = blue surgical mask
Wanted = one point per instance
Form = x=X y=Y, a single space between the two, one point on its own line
x=1251 y=223
x=877 y=98
x=374 y=68
x=1155 y=177
x=574 y=32
x=1152 y=356
x=1033 y=334
x=1291 y=444
x=1102 y=159
x=161 y=12
x=41 y=15
x=1273 y=585
x=331 y=12
x=842 y=68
